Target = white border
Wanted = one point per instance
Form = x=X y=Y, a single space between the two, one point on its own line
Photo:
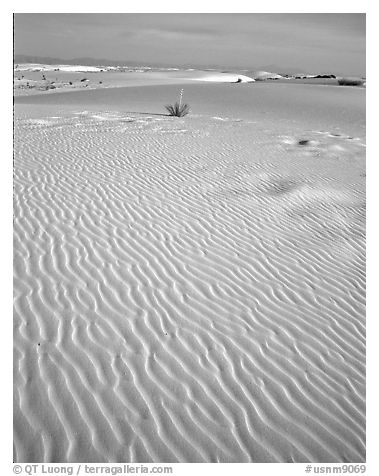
x=195 y=6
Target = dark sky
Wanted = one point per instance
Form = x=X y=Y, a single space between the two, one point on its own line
x=313 y=42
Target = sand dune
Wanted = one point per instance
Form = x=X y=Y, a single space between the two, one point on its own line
x=57 y=67
x=34 y=79
x=262 y=75
x=223 y=78
x=189 y=289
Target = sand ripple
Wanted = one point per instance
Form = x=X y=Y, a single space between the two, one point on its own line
x=187 y=290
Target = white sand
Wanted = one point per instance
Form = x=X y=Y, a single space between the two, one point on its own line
x=53 y=67
x=224 y=78
x=34 y=79
x=190 y=289
x=262 y=75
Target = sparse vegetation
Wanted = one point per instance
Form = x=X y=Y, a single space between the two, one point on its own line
x=178 y=109
x=350 y=82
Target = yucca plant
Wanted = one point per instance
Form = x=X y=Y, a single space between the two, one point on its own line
x=178 y=109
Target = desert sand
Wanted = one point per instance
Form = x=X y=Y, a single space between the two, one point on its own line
x=30 y=79
x=190 y=289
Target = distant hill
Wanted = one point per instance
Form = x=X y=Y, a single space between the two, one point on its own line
x=106 y=62
x=82 y=61
x=296 y=71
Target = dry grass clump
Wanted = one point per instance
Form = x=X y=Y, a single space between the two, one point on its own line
x=178 y=109
x=350 y=81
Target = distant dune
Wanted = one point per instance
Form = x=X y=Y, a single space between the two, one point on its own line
x=263 y=75
x=55 y=67
x=35 y=78
x=223 y=78
x=31 y=78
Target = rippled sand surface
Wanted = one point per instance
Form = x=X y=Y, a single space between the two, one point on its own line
x=190 y=289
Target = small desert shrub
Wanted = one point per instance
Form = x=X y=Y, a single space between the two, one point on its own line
x=178 y=109
x=350 y=82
